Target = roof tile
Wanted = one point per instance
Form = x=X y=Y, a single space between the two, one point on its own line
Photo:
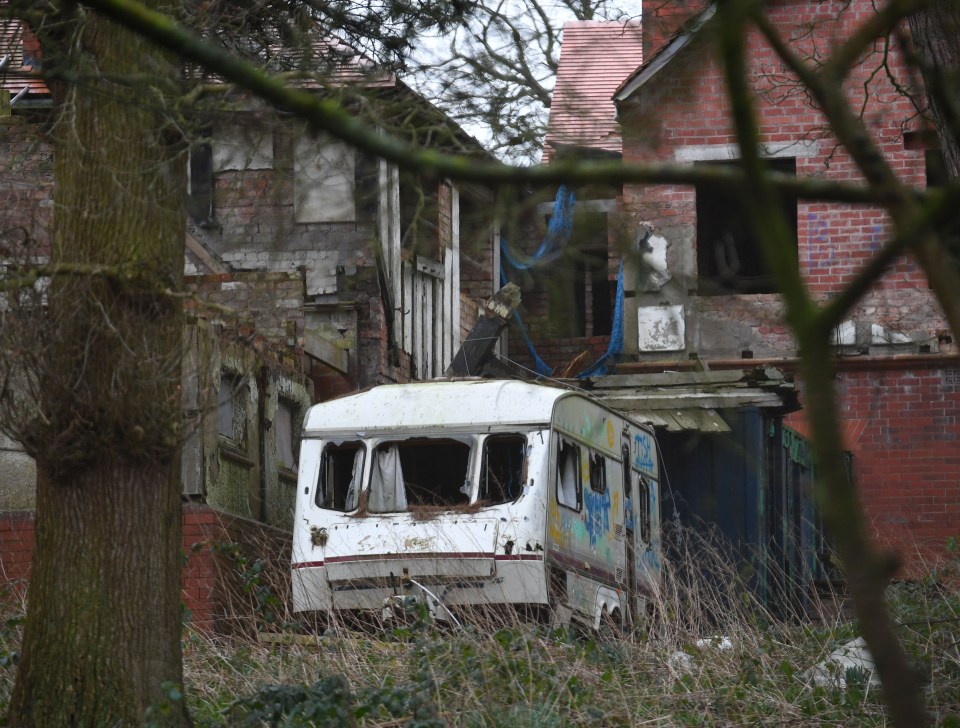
x=596 y=57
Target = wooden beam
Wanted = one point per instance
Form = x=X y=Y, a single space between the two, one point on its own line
x=494 y=317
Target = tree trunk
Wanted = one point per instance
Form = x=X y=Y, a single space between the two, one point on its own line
x=102 y=638
x=936 y=35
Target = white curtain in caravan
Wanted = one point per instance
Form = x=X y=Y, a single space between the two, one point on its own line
x=568 y=474
x=387 y=492
x=353 y=490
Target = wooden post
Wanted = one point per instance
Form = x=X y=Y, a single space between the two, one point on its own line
x=494 y=318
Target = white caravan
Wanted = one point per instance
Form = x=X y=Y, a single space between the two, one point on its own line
x=476 y=492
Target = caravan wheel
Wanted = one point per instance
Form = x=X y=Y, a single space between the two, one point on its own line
x=611 y=626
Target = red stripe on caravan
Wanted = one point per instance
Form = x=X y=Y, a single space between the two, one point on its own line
x=519 y=557
x=396 y=557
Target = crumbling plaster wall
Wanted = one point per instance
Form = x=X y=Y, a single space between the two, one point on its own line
x=255 y=228
x=234 y=382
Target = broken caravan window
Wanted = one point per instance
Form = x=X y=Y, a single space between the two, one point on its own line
x=503 y=468
x=569 y=486
x=339 y=481
x=598 y=473
x=419 y=472
x=643 y=510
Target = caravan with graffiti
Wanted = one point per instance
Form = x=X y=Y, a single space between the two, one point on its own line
x=475 y=493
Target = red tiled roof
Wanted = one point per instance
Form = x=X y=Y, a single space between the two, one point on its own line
x=595 y=59
x=333 y=63
x=14 y=76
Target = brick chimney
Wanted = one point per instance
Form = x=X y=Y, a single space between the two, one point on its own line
x=663 y=18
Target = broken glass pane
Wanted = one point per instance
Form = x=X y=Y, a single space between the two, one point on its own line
x=502 y=473
x=341 y=470
x=433 y=471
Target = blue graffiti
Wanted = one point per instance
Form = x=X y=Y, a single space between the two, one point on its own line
x=643 y=451
x=597 y=507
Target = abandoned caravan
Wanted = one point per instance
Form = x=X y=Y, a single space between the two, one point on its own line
x=476 y=492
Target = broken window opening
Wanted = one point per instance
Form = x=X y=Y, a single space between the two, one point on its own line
x=419 y=217
x=503 y=468
x=598 y=473
x=339 y=481
x=420 y=472
x=582 y=292
x=729 y=255
x=200 y=183
x=569 y=485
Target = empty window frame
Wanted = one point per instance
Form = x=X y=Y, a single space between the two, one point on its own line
x=569 y=485
x=582 y=292
x=420 y=472
x=419 y=217
x=200 y=183
x=593 y=293
x=503 y=468
x=598 y=473
x=729 y=257
x=340 y=479
x=231 y=409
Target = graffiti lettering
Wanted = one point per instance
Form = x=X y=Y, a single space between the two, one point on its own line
x=597 y=520
x=643 y=451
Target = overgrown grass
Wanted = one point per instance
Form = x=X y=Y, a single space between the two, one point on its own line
x=499 y=670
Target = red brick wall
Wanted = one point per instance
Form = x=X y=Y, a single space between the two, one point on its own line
x=663 y=18
x=685 y=106
x=901 y=421
x=16 y=548
x=209 y=581
x=902 y=426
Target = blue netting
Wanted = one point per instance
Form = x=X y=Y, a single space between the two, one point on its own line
x=553 y=243
x=615 y=347
x=551 y=248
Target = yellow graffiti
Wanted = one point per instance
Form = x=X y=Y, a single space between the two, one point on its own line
x=554 y=526
x=610 y=434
